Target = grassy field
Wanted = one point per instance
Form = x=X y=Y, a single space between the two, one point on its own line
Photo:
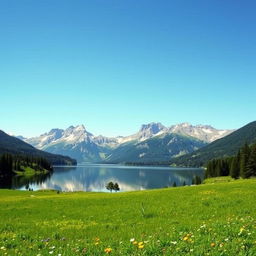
x=211 y=219
x=28 y=171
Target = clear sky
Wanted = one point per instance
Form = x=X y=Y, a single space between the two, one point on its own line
x=113 y=65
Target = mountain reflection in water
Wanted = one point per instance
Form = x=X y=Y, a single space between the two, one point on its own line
x=94 y=177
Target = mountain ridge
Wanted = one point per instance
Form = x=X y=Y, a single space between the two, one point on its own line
x=77 y=142
x=223 y=147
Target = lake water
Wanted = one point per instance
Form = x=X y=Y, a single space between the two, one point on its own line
x=94 y=177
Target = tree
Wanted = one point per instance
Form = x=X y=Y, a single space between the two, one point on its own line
x=251 y=165
x=235 y=168
x=245 y=154
x=116 y=187
x=174 y=184
x=198 y=180
x=110 y=186
x=184 y=183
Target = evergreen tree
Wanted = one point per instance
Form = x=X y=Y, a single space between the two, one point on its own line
x=251 y=165
x=198 y=180
x=174 y=184
x=235 y=168
x=245 y=154
x=218 y=168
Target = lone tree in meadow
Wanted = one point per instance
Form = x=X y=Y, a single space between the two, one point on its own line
x=110 y=186
x=116 y=187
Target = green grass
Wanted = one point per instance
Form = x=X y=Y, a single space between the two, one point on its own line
x=212 y=219
x=218 y=180
x=28 y=171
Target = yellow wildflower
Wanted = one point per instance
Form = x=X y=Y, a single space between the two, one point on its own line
x=242 y=229
x=135 y=242
x=108 y=250
x=185 y=238
x=213 y=244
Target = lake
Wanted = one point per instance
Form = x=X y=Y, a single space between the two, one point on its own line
x=94 y=177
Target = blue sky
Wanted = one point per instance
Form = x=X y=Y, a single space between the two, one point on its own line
x=113 y=65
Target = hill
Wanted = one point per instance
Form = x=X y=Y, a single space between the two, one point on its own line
x=12 y=145
x=227 y=146
x=212 y=219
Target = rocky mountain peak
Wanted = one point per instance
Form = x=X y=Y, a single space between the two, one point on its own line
x=154 y=128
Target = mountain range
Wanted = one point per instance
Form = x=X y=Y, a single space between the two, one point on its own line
x=224 y=147
x=152 y=143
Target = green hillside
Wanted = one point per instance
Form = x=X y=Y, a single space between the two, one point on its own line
x=227 y=146
x=212 y=219
x=12 y=145
x=154 y=150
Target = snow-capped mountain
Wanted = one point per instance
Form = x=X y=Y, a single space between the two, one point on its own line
x=74 y=141
x=70 y=135
x=77 y=142
x=146 y=131
x=202 y=132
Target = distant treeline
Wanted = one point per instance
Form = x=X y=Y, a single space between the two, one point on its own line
x=242 y=165
x=9 y=164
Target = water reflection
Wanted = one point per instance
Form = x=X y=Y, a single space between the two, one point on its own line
x=95 y=178
x=20 y=181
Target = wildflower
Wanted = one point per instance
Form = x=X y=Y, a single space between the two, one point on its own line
x=173 y=242
x=141 y=245
x=242 y=229
x=51 y=252
x=135 y=242
x=221 y=245
x=213 y=244
x=96 y=243
x=108 y=250
x=185 y=238
x=132 y=240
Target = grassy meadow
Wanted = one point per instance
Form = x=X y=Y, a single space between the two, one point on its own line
x=217 y=218
x=28 y=171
